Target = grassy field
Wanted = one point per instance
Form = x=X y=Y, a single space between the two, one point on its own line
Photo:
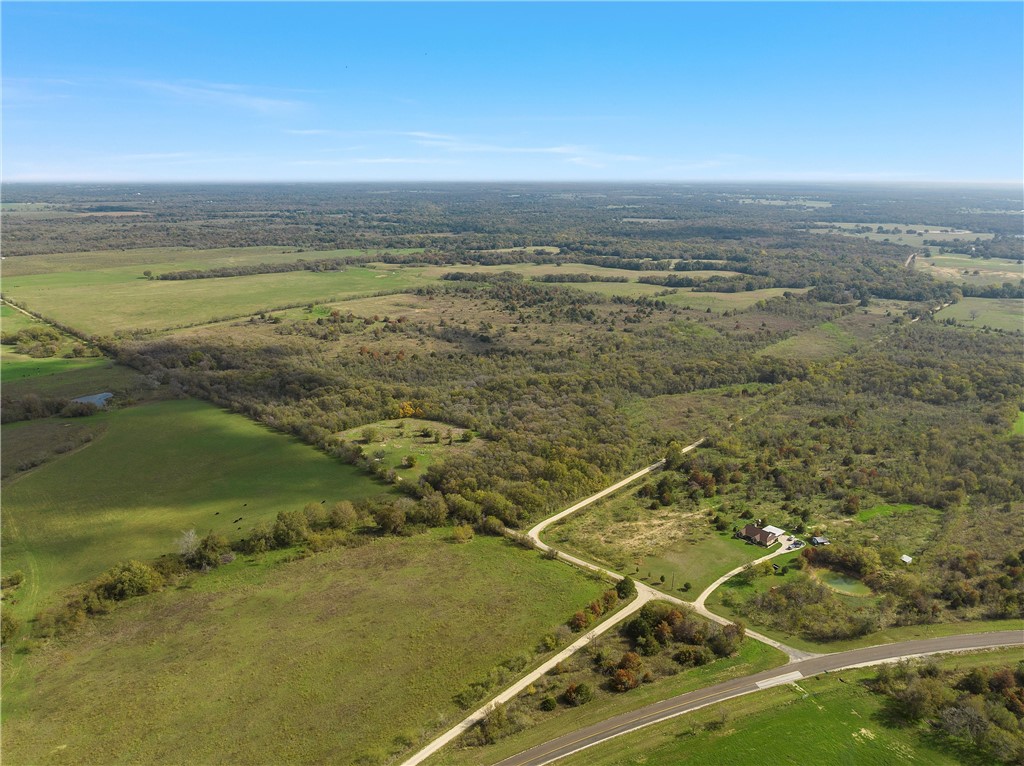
x=687 y=298
x=910 y=234
x=344 y=657
x=155 y=471
x=976 y=271
x=882 y=509
x=625 y=535
x=32 y=442
x=817 y=720
x=12 y=320
x=826 y=341
x=1000 y=314
x=395 y=441
x=104 y=301
x=752 y=657
x=1018 y=424
x=65 y=378
x=164 y=259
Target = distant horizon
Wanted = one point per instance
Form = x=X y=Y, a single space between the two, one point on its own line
x=1019 y=185
x=137 y=92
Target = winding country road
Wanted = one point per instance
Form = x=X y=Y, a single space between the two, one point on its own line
x=685 y=703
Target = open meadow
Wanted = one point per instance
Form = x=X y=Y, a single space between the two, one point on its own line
x=347 y=657
x=1000 y=314
x=105 y=301
x=151 y=473
x=972 y=271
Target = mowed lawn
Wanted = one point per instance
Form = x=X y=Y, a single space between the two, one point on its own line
x=104 y=301
x=155 y=471
x=817 y=720
x=344 y=657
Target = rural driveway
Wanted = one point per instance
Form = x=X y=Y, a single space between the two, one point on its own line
x=685 y=703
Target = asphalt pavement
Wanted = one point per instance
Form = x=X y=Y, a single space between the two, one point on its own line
x=685 y=703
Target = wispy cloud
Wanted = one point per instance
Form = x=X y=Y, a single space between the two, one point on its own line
x=224 y=94
x=373 y=161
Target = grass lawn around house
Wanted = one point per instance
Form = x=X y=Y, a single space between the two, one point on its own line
x=156 y=470
x=828 y=719
x=347 y=656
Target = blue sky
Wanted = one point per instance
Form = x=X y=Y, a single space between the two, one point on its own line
x=517 y=91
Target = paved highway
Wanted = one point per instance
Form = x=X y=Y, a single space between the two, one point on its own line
x=685 y=703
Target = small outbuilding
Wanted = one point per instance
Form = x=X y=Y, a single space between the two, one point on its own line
x=820 y=541
x=907 y=559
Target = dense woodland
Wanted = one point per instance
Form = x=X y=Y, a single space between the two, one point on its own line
x=916 y=412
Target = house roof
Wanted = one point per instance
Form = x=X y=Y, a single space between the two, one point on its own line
x=774 y=530
x=819 y=540
x=906 y=559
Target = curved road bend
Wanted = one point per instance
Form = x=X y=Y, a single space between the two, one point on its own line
x=685 y=703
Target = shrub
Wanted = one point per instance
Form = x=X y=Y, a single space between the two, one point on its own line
x=8 y=626
x=578 y=694
x=631 y=661
x=625 y=588
x=548 y=704
x=579 y=621
x=132 y=578
x=13 y=580
x=463 y=533
x=690 y=655
x=623 y=680
x=492 y=526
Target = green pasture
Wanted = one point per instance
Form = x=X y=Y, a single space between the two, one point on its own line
x=163 y=259
x=396 y=440
x=65 y=378
x=997 y=313
x=974 y=271
x=348 y=656
x=107 y=300
x=155 y=471
x=717 y=302
x=12 y=320
x=16 y=367
x=1018 y=424
x=827 y=719
x=752 y=657
x=30 y=443
x=826 y=341
x=916 y=239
